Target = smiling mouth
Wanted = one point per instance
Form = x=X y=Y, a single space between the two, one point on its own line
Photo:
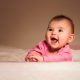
x=54 y=40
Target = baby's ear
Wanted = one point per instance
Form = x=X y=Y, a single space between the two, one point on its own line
x=71 y=38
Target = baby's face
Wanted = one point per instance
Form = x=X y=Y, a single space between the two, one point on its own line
x=59 y=34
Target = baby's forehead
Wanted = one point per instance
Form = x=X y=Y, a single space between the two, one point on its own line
x=60 y=23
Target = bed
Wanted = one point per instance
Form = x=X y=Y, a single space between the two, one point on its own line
x=12 y=54
x=40 y=71
x=13 y=66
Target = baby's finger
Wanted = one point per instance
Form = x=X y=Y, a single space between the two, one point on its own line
x=34 y=59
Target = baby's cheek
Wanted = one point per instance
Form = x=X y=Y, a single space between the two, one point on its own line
x=63 y=39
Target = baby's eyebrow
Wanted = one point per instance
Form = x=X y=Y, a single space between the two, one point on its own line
x=49 y=27
x=60 y=27
x=57 y=27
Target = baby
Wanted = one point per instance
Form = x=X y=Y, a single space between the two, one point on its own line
x=55 y=47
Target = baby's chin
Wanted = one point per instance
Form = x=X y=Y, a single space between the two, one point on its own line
x=55 y=48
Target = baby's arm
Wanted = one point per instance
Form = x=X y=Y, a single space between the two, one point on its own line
x=34 y=57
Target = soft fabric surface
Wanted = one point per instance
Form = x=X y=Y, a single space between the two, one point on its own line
x=75 y=55
x=11 y=54
x=40 y=71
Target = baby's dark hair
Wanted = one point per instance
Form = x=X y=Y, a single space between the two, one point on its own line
x=61 y=17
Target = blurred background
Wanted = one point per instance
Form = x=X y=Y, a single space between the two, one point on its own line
x=23 y=22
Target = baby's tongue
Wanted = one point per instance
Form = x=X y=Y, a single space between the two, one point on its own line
x=54 y=40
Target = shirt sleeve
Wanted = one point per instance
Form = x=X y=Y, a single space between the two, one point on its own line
x=39 y=48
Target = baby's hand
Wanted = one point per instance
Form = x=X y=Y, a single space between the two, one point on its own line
x=35 y=58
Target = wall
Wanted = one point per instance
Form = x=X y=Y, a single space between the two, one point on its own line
x=23 y=22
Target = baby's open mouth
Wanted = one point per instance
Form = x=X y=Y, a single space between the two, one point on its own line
x=54 y=40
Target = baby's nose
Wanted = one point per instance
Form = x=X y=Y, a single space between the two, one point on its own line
x=54 y=32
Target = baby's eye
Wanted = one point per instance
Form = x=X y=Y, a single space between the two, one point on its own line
x=49 y=29
x=60 y=30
